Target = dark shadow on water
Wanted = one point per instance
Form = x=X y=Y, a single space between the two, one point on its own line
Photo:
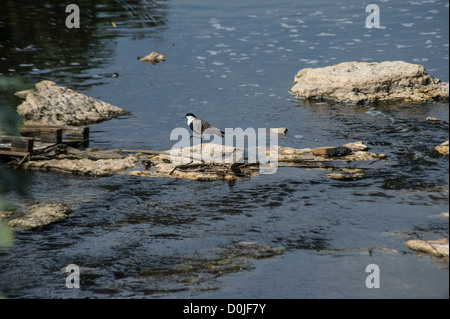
x=36 y=44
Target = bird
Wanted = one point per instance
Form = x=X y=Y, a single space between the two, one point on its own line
x=201 y=127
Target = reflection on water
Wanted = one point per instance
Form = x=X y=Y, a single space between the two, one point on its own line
x=233 y=63
x=36 y=43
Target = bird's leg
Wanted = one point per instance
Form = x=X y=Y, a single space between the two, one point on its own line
x=201 y=149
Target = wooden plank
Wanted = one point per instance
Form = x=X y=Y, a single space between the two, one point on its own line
x=43 y=133
x=23 y=145
x=330 y=151
x=58 y=134
x=19 y=143
x=80 y=133
x=51 y=135
x=11 y=153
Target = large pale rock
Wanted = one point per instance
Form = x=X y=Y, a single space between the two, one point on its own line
x=84 y=166
x=438 y=248
x=56 y=105
x=63 y=158
x=372 y=82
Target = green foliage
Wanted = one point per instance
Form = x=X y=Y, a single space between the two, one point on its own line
x=9 y=125
x=6 y=236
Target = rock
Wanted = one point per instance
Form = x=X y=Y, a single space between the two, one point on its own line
x=186 y=163
x=364 y=156
x=433 y=119
x=347 y=174
x=356 y=146
x=207 y=162
x=84 y=166
x=196 y=268
x=154 y=58
x=182 y=166
x=38 y=216
x=371 y=82
x=50 y=104
x=438 y=248
x=278 y=130
x=63 y=158
x=442 y=148
x=256 y=250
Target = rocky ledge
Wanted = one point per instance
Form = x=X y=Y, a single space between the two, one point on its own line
x=437 y=248
x=200 y=162
x=51 y=104
x=37 y=216
x=369 y=82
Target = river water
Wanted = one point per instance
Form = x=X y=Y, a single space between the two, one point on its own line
x=292 y=234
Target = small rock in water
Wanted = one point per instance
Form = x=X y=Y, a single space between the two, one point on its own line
x=356 y=146
x=443 y=148
x=433 y=119
x=154 y=58
x=278 y=130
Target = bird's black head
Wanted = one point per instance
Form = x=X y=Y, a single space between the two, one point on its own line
x=190 y=114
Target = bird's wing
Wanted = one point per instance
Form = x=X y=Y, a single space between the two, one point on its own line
x=205 y=126
x=202 y=127
x=213 y=131
x=199 y=126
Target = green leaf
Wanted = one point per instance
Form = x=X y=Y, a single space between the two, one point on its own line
x=6 y=235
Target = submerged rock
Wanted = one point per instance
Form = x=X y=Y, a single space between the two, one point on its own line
x=38 y=216
x=200 y=269
x=57 y=105
x=372 y=82
x=347 y=174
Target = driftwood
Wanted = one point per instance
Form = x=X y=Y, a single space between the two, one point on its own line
x=238 y=169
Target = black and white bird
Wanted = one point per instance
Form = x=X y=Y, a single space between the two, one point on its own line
x=201 y=127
